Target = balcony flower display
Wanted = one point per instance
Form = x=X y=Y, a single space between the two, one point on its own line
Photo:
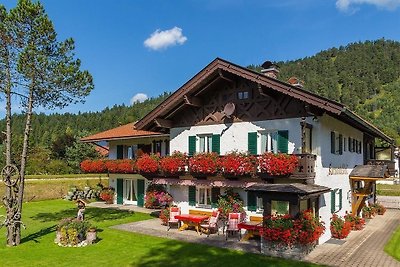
x=148 y=164
x=357 y=223
x=287 y=231
x=204 y=164
x=277 y=164
x=120 y=166
x=340 y=228
x=237 y=164
x=173 y=165
x=93 y=166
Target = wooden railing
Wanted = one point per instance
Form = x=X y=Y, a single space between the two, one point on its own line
x=390 y=165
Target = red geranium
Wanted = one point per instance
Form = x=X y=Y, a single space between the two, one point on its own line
x=174 y=164
x=237 y=164
x=204 y=163
x=277 y=164
x=340 y=228
x=93 y=166
x=148 y=163
x=120 y=166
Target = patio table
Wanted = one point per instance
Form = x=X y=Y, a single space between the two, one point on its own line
x=191 y=220
x=252 y=228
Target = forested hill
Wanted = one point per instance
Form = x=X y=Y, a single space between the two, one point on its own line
x=46 y=128
x=364 y=76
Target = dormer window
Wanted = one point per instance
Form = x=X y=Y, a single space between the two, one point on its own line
x=243 y=95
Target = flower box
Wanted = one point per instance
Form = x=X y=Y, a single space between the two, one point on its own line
x=174 y=165
x=237 y=164
x=295 y=252
x=277 y=164
x=203 y=164
x=148 y=164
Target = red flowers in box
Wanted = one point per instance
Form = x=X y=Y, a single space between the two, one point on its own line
x=237 y=164
x=204 y=163
x=340 y=228
x=174 y=164
x=110 y=166
x=148 y=163
x=277 y=164
x=357 y=223
x=93 y=166
x=287 y=231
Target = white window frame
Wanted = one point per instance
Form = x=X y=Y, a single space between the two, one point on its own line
x=260 y=205
x=268 y=141
x=206 y=190
x=242 y=95
x=128 y=190
x=204 y=143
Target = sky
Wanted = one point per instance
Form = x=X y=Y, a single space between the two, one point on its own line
x=141 y=48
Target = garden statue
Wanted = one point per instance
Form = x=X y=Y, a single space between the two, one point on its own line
x=81 y=209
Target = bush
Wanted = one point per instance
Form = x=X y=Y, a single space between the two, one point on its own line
x=340 y=228
x=230 y=203
x=72 y=231
x=157 y=199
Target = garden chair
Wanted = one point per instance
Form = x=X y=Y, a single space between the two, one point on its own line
x=173 y=211
x=212 y=224
x=232 y=225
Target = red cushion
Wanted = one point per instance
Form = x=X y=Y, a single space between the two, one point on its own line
x=174 y=209
x=234 y=216
x=214 y=214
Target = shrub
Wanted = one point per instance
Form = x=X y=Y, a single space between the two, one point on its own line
x=148 y=163
x=72 y=231
x=340 y=228
x=174 y=164
x=277 y=164
x=156 y=199
x=204 y=163
x=237 y=164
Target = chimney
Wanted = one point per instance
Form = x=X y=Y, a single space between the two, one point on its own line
x=270 y=69
x=296 y=82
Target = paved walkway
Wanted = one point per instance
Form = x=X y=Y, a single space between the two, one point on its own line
x=361 y=248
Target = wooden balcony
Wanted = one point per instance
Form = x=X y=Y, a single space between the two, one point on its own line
x=390 y=165
x=306 y=168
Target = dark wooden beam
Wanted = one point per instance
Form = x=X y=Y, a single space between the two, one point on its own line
x=224 y=77
x=163 y=123
x=192 y=101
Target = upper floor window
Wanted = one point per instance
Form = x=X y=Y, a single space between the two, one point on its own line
x=269 y=142
x=205 y=143
x=336 y=143
x=243 y=95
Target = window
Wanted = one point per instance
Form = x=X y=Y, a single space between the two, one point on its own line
x=336 y=200
x=344 y=144
x=129 y=190
x=336 y=143
x=260 y=205
x=204 y=196
x=205 y=143
x=269 y=142
x=243 y=95
x=157 y=147
x=279 y=207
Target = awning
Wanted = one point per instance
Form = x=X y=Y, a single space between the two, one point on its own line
x=211 y=183
x=369 y=172
x=302 y=190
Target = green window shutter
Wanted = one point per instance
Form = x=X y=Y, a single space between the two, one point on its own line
x=340 y=144
x=333 y=204
x=349 y=145
x=120 y=190
x=192 y=195
x=340 y=199
x=252 y=143
x=251 y=201
x=140 y=192
x=333 y=149
x=216 y=143
x=192 y=145
x=283 y=141
x=215 y=192
x=120 y=152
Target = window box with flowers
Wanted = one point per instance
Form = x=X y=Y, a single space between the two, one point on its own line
x=93 y=166
x=173 y=165
x=120 y=166
x=272 y=165
x=290 y=237
x=236 y=164
x=339 y=227
x=148 y=165
x=202 y=165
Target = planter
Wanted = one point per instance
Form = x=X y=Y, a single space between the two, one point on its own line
x=149 y=175
x=267 y=176
x=91 y=237
x=296 y=252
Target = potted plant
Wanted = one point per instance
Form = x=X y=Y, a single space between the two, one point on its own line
x=173 y=165
x=366 y=212
x=203 y=164
x=236 y=164
x=380 y=209
x=107 y=195
x=148 y=165
x=357 y=223
x=340 y=228
x=277 y=164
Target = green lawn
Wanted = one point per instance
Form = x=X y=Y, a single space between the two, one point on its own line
x=388 y=189
x=392 y=247
x=116 y=248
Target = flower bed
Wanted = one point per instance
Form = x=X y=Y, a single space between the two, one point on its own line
x=340 y=228
x=289 y=237
x=237 y=164
x=173 y=165
x=72 y=232
x=204 y=164
x=277 y=164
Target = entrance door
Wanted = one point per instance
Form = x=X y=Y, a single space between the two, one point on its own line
x=129 y=192
x=120 y=190
x=140 y=192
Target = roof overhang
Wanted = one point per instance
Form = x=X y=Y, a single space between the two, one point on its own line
x=369 y=172
x=303 y=191
x=123 y=138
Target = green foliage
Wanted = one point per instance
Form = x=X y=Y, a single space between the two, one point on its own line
x=392 y=247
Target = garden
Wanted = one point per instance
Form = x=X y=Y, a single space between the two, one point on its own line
x=115 y=247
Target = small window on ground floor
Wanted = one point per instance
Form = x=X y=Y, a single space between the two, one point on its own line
x=279 y=207
x=303 y=205
x=204 y=196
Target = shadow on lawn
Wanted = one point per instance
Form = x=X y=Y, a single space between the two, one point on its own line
x=175 y=253
x=38 y=234
x=93 y=214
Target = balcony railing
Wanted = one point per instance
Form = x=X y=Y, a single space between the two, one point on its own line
x=305 y=168
x=390 y=165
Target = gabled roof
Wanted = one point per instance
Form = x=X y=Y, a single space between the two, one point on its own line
x=126 y=131
x=218 y=67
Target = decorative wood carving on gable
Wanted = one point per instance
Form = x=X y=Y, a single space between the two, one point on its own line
x=261 y=104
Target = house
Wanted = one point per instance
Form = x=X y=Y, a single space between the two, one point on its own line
x=226 y=107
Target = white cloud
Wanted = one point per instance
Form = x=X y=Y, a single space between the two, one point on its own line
x=348 y=5
x=163 y=39
x=138 y=98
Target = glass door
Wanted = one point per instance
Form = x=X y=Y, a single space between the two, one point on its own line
x=129 y=192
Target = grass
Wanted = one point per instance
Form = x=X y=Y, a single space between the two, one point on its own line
x=388 y=189
x=392 y=247
x=116 y=248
